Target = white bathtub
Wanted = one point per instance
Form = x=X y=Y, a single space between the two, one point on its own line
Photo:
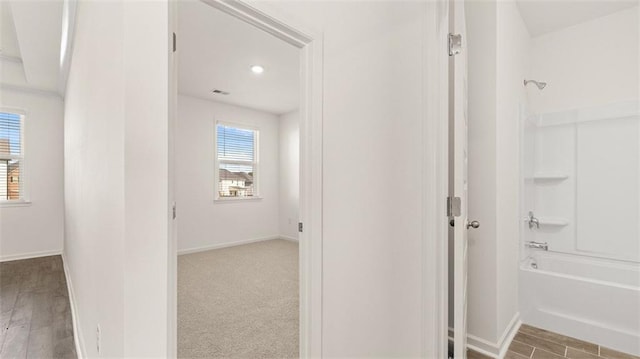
x=591 y=299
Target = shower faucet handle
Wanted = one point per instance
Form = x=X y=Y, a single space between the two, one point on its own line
x=533 y=221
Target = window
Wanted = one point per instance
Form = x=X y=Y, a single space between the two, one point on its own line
x=11 y=157
x=236 y=162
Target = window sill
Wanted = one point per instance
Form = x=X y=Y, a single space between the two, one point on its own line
x=15 y=203
x=235 y=200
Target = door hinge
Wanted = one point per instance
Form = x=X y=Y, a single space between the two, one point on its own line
x=455 y=44
x=175 y=42
x=300 y=227
x=454 y=207
x=174 y=210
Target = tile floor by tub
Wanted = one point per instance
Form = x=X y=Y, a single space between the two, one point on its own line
x=35 y=315
x=535 y=343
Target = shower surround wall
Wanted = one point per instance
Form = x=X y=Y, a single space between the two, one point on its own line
x=585 y=193
x=586 y=179
x=581 y=178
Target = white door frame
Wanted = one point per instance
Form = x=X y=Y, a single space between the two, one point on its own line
x=436 y=178
x=310 y=44
x=458 y=177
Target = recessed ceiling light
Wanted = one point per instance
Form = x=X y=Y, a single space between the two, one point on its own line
x=257 y=69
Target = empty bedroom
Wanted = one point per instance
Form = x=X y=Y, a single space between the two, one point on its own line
x=236 y=164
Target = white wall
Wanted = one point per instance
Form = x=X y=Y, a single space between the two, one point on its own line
x=94 y=177
x=498 y=50
x=116 y=151
x=482 y=281
x=202 y=222
x=514 y=46
x=37 y=228
x=147 y=214
x=589 y=64
x=289 y=140
x=372 y=282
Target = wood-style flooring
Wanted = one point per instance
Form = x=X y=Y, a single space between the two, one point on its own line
x=534 y=343
x=35 y=315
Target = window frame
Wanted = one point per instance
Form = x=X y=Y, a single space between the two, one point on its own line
x=255 y=163
x=23 y=200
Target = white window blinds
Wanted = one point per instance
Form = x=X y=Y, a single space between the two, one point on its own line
x=236 y=162
x=11 y=157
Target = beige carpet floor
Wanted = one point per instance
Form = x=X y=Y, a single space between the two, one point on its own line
x=239 y=302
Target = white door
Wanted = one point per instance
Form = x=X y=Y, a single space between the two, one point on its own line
x=458 y=172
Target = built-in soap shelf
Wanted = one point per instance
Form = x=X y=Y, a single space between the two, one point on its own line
x=553 y=221
x=550 y=221
x=546 y=177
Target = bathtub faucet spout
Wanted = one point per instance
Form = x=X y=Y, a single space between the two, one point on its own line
x=538 y=245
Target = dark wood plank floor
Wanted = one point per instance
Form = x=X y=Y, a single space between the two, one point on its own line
x=35 y=315
x=534 y=343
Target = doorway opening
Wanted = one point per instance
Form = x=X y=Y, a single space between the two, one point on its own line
x=246 y=169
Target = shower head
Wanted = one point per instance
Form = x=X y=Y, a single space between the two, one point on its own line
x=540 y=85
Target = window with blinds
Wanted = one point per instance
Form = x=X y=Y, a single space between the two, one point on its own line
x=236 y=162
x=11 y=157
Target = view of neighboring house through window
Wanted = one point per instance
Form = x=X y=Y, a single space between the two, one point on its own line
x=11 y=157
x=236 y=161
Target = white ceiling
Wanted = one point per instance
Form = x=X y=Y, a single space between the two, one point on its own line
x=30 y=43
x=217 y=50
x=9 y=46
x=544 y=16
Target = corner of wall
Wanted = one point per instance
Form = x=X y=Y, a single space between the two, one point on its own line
x=77 y=333
x=496 y=350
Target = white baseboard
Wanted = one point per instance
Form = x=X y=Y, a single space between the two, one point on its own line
x=496 y=350
x=15 y=257
x=509 y=333
x=287 y=238
x=226 y=244
x=77 y=334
